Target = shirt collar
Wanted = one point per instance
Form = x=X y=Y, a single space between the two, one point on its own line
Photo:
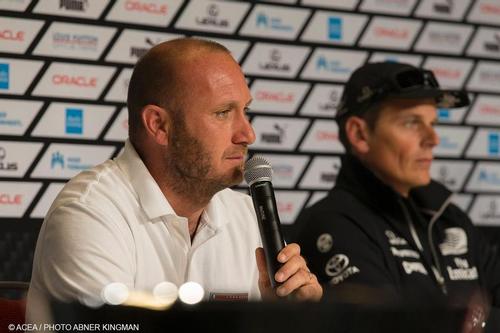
x=212 y=215
x=152 y=199
x=150 y=196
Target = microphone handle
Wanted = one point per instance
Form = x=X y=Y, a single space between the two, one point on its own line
x=269 y=225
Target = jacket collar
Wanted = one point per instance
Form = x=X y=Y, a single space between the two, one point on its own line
x=431 y=198
x=357 y=179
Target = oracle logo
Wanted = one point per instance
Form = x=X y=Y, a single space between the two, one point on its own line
x=79 y=81
x=146 y=7
x=327 y=136
x=490 y=9
x=446 y=73
x=391 y=33
x=275 y=96
x=7 y=199
x=285 y=207
x=8 y=34
x=489 y=109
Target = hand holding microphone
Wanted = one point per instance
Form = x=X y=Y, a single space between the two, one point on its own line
x=278 y=262
x=258 y=174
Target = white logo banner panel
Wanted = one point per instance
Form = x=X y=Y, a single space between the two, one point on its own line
x=65 y=68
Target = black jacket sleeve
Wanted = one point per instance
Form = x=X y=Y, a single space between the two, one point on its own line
x=489 y=261
x=486 y=256
x=345 y=258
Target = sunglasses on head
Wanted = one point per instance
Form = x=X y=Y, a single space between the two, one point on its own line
x=401 y=82
x=405 y=81
x=414 y=78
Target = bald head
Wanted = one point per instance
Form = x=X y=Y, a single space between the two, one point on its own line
x=158 y=77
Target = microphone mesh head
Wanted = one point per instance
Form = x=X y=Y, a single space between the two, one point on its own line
x=258 y=168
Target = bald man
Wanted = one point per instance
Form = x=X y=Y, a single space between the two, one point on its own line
x=162 y=210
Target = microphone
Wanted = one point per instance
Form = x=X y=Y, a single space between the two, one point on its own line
x=258 y=175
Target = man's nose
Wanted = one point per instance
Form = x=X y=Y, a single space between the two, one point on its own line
x=244 y=133
x=431 y=138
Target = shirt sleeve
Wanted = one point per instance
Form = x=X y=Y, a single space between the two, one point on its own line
x=350 y=264
x=80 y=250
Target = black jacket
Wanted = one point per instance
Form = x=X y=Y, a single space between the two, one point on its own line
x=368 y=244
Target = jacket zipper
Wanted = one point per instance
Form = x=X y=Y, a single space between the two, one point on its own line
x=436 y=269
x=431 y=243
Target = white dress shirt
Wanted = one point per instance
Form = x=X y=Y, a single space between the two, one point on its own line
x=113 y=224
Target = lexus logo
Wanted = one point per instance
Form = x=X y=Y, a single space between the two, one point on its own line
x=336 y=265
x=275 y=55
x=213 y=10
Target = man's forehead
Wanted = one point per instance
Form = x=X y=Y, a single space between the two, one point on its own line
x=212 y=67
x=234 y=104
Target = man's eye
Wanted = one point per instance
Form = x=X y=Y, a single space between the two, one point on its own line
x=411 y=123
x=222 y=114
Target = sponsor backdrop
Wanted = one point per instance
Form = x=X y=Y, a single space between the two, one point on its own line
x=65 y=67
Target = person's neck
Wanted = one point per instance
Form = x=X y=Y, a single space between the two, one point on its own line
x=185 y=205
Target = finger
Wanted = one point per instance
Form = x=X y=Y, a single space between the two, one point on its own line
x=295 y=282
x=292 y=266
x=288 y=252
x=311 y=291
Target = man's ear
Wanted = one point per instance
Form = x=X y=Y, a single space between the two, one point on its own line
x=357 y=133
x=157 y=123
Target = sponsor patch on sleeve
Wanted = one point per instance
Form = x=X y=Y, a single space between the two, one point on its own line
x=338 y=268
x=455 y=242
x=324 y=243
x=462 y=271
x=414 y=267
